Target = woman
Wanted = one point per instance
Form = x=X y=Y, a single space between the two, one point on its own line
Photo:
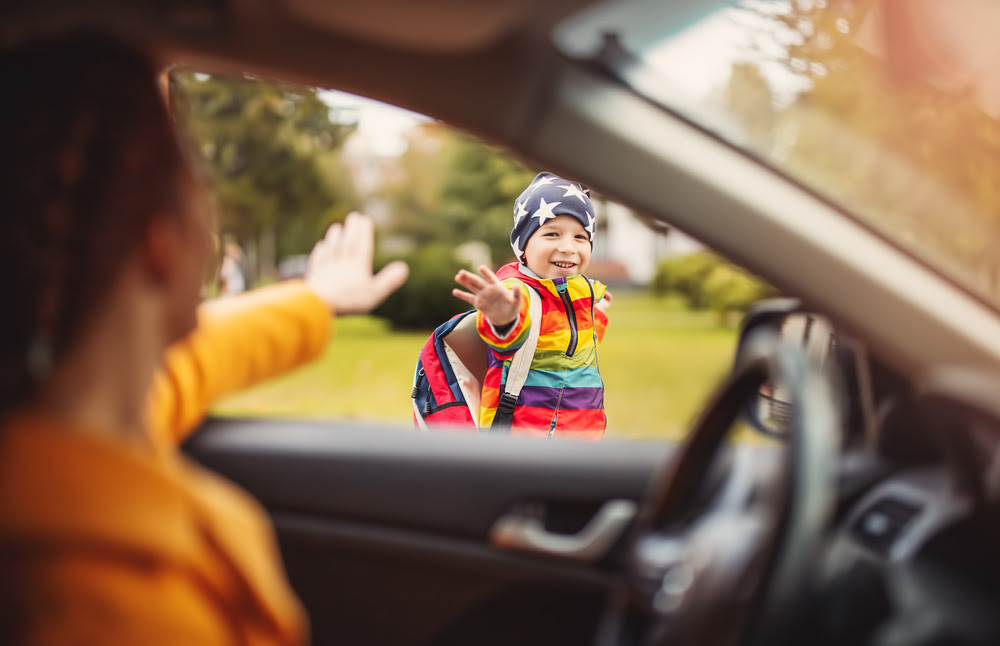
x=107 y=534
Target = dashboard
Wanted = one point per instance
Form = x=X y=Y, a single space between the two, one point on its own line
x=914 y=558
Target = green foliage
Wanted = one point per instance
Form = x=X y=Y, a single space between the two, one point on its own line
x=478 y=193
x=685 y=275
x=425 y=300
x=271 y=152
x=454 y=189
x=731 y=291
x=919 y=161
x=706 y=281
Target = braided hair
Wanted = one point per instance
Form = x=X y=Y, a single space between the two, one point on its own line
x=87 y=156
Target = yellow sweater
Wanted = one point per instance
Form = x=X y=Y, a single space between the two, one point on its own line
x=101 y=542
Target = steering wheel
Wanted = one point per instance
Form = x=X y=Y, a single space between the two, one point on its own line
x=712 y=561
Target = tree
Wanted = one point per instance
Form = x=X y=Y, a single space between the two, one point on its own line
x=916 y=160
x=271 y=153
x=478 y=191
x=454 y=189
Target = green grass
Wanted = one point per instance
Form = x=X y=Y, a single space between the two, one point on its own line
x=659 y=362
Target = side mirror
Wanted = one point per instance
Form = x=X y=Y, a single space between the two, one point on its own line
x=770 y=412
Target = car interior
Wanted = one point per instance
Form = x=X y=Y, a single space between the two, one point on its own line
x=865 y=512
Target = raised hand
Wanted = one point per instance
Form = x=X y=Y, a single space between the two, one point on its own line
x=339 y=269
x=605 y=303
x=498 y=303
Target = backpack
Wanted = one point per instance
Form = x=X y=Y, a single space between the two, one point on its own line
x=447 y=382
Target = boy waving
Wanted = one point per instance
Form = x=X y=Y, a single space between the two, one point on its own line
x=552 y=238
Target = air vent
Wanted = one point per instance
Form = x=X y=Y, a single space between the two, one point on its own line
x=881 y=524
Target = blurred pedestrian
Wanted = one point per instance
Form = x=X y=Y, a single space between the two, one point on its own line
x=232 y=279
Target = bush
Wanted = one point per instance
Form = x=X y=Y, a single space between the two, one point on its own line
x=731 y=291
x=425 y=300
x=685 y=275
x=706 y=281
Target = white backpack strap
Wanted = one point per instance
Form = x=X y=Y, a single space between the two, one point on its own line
x=517 y=374
x=418 y=416
x=520 y=365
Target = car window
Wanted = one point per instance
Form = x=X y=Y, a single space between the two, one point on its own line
x=286 y=161
x=892 y=126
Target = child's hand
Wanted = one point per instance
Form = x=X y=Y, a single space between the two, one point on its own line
x=605 y=303
x=498 y=304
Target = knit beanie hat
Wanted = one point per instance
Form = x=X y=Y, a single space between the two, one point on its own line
x=547 y=196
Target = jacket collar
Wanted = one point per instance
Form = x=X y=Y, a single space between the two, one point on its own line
x=549 y=285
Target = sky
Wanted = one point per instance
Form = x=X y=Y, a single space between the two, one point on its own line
x=383 y=125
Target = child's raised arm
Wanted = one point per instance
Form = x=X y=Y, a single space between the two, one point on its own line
x=605 y=303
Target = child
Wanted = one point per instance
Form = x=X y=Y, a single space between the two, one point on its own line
x=552 y=238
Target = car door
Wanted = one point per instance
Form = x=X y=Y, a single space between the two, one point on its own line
x=392 y=536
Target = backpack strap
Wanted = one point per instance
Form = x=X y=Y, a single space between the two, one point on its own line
x=519 y=368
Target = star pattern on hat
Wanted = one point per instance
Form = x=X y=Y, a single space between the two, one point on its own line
x=520 y=213
x=590 y=226
x=573 y=191
x=518 y=251
x=544 y=211
x=540 y=183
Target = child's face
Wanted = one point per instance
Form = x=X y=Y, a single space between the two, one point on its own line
x=560 y=248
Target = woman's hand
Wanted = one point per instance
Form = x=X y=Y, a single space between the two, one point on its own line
x=498 y=303
x=339 y=269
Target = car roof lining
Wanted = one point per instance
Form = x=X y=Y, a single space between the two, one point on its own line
x=428 y=26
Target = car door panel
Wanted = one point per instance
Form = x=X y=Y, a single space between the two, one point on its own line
x=386 y=533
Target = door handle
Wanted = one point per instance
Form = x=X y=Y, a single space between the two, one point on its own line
x=516 y=531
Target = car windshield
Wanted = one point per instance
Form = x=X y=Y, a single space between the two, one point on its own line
x=884 y=114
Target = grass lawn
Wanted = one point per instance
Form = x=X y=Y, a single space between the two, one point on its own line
x=659 y=362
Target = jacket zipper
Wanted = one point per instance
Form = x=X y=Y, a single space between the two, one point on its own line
x=570 y=316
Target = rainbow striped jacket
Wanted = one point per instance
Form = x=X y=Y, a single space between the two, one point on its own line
x=564 y=393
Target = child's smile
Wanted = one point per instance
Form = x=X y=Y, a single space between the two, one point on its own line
x=560 y=248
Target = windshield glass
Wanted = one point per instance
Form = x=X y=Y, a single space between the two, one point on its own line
x=883 y=108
